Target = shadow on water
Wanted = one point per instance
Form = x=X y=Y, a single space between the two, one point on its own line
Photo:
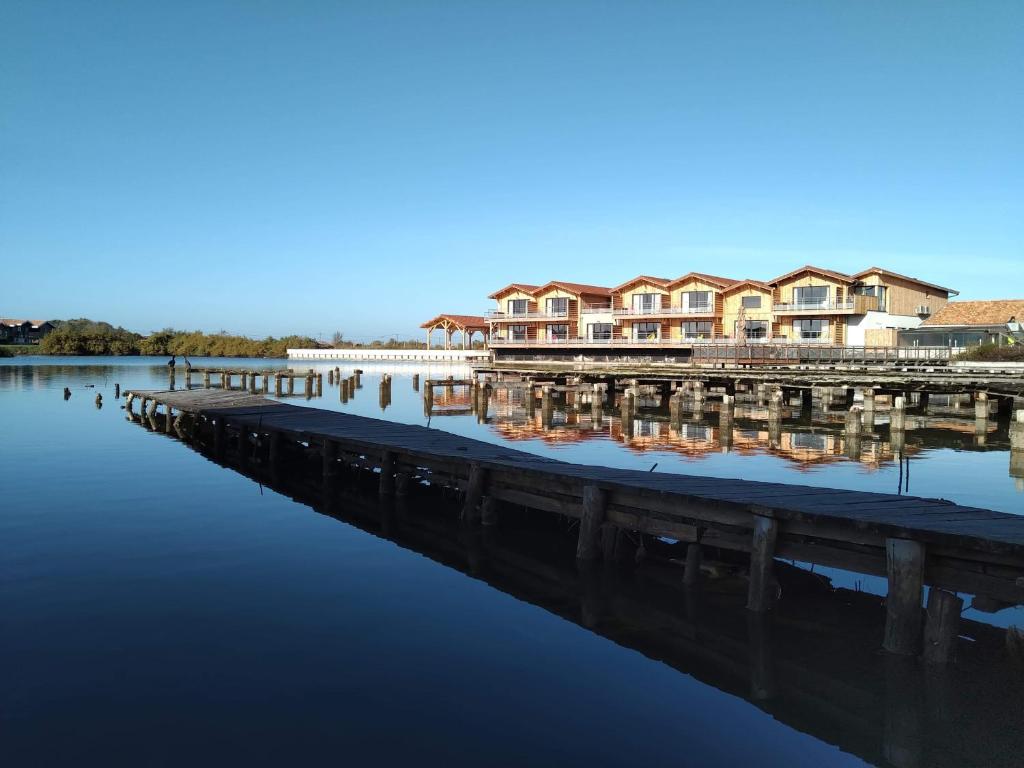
x=813 y=663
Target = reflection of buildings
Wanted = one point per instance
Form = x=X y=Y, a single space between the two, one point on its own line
x=806 y=443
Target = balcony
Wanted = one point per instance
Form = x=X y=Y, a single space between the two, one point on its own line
x=497 y=316
x=701 y=311
x=855 y=305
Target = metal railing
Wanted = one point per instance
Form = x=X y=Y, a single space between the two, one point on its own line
x=665 y=311
x=499 y=316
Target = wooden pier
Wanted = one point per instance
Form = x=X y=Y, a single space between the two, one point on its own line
x=912 y=541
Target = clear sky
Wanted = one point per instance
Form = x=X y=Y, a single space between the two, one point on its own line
x=276 y=167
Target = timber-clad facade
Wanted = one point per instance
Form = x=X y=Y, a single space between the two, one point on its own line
x=809 y=305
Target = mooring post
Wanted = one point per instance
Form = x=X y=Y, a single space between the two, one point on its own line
x=252 y=384
x=1017 y=431
x=474 y=492
x=343 y=391
x=387 y=473
x=596 y=404
x=402 y=482
x=168 y=419
x=415 y=382
x=941 y=626
x=594 y=504
x=291 y=383
x=762 y=557
x=243 y=380
x=853 y=422
x=357 y=375
x=763 y=686
x=128 y=406
x=905 y=569
x=266 y=382
x=319 y=385
x=489 y=511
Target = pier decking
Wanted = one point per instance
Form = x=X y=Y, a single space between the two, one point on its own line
x=911 y=540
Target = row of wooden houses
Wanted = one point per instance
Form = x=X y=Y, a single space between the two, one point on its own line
x=807 y=305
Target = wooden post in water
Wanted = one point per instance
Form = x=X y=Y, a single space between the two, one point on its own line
x=277 y=384
x=387 y=474
x=898 y=414
x=402 y=482
x=596 y=403
x=266 y=382
x=905 y=569
x=243 y=380
x=941 y=627
x=273 y=447
x=594 y=505
x=329 y=456
x=762 y=557
x=206 y=379
x=307 y=387
x=291 y=382
x=168 y=419
x=319 y=385
x=415 y=382
x=474 y=493
x=489 y=511
x=981 y=406
x=330 y=377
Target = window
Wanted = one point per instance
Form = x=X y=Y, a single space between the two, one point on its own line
x=517 y=306
x=697 y=301
x=599 y=331
x=810 y=328
x=517 y=332
x=697 y=329
x=751 y=302
x=646 y=331
x=559 y=332
x=755 y=329
x=811 y=296
x=646 y=302
x=558 y=307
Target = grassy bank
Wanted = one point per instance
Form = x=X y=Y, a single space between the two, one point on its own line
x=993 y=353
x=13 y=350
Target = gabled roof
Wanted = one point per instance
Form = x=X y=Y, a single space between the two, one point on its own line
x=577 y=288
x=721 y=282
x=747 y=283
x=12 y=323
x=461 y=321
x=523 y=287
x=844 y=278
x=661 y=282
x=996 y=312
x=897 y=275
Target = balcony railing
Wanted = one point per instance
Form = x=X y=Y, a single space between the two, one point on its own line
x=499 y=316
x=665 y=311
x=853 y=304
x=595 y=309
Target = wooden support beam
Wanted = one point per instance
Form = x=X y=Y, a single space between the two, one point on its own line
x=760 y=594
x=474 y=492
x=691 y=575
x=387 y=473
x=595 y=504
x=905 y=571
x=489 y=511
x=941 y=627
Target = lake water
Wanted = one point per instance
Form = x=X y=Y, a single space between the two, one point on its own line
x=158 y=608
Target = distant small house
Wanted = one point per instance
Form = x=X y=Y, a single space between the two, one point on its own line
x=14 y=331
x=967 y=323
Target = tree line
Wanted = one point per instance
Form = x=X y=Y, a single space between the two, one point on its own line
x=89 y=337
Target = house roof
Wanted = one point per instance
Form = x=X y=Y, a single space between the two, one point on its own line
x=842 y=277
x=748 y=283
x=889 y=273
x=577 y=288
x=995 y=312
x=722 y=282
x=659 y=281
x=461 y=321
x=12 y=323
x=524 y=287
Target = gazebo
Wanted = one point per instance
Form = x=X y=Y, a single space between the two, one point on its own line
x=467 y=325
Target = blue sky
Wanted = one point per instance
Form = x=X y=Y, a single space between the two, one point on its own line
x=277 y=167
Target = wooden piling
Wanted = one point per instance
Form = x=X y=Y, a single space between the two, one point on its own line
x=489 y=511
x=898 y=414
x=387 y=474
x=905 y=570
x=762 y=557
x=941 y=627
x=402 y=483
x=319 y=385
x=981 y=406
x=594 y=505
x=474 y=492
x=691 y=574
x=415 y=382
x=291 y=383
x=329 y=456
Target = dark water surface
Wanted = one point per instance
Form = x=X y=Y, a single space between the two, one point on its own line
x=157 y=608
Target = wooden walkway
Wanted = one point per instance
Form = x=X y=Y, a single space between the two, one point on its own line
x=912 y=540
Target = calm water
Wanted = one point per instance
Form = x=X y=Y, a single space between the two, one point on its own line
x=160 y=609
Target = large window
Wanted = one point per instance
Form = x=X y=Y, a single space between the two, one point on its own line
x=809 y=328
x=697 y=301
x=517 y=332
x=558 y=307
x=646 y=302
x=811 y=296
x=751 y=302
x=646 y=331
x=755 y=329
x=518 y=306
x=558 y=332
x=599 y=331
x=697 y=329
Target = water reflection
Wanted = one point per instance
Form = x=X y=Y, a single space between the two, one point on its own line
x=812 y=664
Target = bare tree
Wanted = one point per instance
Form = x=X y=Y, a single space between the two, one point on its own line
x=337 y=338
